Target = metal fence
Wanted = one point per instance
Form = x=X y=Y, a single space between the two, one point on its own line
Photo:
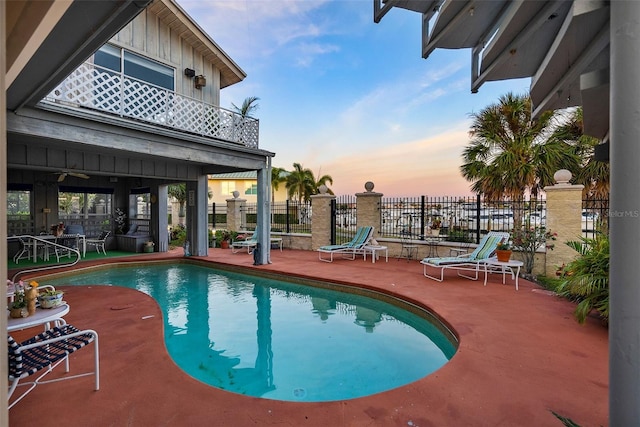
x=595 y=217
x=460 y=219
x=286 y=217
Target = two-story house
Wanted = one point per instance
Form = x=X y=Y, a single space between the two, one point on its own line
x=116 y=102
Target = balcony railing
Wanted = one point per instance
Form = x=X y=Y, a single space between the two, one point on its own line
x=107 y=91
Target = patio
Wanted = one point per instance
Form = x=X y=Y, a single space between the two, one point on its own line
x=521 y=356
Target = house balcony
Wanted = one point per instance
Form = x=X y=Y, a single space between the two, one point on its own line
x=105 y=91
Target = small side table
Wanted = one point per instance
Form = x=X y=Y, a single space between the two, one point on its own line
x=42 y=316
x=494 y=266
x=374 y=254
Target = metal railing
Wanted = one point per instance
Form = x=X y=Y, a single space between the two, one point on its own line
x=45 y=245
x=94 y=87
x=460 y=219
x=286 y=217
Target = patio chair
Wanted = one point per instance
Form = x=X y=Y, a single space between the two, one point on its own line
x=249 y=243
x=44 y=352
x=408 y=249
x=466 y=262
x=99 y=242
x=25 y=251
x=350 y=249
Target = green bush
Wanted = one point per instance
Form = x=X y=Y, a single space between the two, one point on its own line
x=587 y=277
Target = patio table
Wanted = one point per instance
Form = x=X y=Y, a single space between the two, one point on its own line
x=81 y=244
x=41 y=316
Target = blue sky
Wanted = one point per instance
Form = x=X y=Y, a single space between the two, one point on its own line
x=350 y=98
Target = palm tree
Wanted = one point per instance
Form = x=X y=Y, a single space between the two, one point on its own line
x=179 y=192
x=249 y=105
x=593 y=174
x=510 y=154
x=323 y=181
x=278 y=176
x=301 y=183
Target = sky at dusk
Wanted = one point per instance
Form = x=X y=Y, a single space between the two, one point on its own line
x=350 y=98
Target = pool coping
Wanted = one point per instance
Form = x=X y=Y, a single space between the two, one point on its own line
x=521 y=356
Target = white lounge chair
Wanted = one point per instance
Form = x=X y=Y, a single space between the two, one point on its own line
x=466 y=262
x=350 y=249
x=252 y=242
x=249 y=243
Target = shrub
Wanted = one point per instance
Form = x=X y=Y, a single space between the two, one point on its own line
x=587 y=277
x=528 y=240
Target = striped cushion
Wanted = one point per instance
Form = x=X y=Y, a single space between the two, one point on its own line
x=487 y=249
x=27 y=362
x=362 y=237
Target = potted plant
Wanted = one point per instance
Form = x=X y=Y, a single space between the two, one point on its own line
x=223 y=238
x=18 y=307
x=503 y=251
x=50 y=298
x=148 y=246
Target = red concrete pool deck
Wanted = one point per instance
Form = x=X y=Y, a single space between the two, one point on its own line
x=521 y=355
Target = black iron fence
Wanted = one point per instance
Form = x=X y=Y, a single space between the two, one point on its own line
x=456 y=219
x=286 y=217
x=595 y=216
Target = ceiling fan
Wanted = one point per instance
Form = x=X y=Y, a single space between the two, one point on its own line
x=62 y=175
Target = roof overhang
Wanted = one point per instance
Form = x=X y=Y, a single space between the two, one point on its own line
x=46 y=40
x=563 y=46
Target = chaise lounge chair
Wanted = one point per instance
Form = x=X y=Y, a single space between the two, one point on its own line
x=350 y=249
x=252 y=242
x=248 y=243
x=466 y=262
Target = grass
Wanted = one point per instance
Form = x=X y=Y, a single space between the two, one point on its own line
x=91 y=255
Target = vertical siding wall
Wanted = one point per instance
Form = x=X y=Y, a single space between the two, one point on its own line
x=149 y=36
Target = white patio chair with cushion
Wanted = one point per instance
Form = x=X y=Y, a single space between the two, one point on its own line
x=350 y=249
x=42 y=353
x=99 y=242
x=466 y=262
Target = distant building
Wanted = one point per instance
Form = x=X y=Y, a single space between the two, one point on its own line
x=223 y=185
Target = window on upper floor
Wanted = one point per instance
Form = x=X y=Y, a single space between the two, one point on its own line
x=135 y=66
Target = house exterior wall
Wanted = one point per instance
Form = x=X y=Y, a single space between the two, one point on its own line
x=221 y=190
x=149 y=36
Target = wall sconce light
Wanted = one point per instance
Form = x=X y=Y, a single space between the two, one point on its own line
x=189 y=72
x=200 y=81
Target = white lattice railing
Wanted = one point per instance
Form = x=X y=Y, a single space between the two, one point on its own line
x=101 y=89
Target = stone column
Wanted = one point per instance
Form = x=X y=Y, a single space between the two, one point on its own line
x=369 y=209
x=321 y=223
x=564 y=207
x=236 y=212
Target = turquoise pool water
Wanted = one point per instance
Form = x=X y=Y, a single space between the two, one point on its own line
x=278 y=340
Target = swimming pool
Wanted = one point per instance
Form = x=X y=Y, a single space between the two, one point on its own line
x=279 y=340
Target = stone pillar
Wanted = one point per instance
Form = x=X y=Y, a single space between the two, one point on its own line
x=369 y=209
x=321 y=224
x=236 y=212
x=564 y=207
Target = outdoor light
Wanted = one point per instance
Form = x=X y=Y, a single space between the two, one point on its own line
x=200 y=81
x=189 y=72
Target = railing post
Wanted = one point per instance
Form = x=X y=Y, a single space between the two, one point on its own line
x=368 y=208
x=423 y=207
x=287 y=217
x=321 y=224
x=564 y=204
x=478 y=208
